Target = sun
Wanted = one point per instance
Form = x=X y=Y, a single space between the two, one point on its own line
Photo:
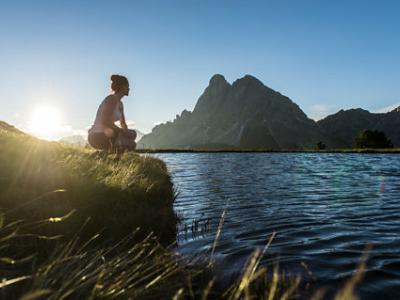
x=45 y=122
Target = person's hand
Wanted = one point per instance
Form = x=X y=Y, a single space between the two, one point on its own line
x=108 y=132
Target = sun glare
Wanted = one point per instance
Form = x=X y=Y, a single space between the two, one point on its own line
x=45 y=122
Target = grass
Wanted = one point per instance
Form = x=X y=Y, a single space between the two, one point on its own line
x=74 y=225
x=73 y=270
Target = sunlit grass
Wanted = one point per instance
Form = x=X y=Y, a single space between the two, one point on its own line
x=41 y=179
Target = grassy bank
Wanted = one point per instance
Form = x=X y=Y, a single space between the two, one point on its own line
x=75 y=225
x=41 y=179
x=68 y=230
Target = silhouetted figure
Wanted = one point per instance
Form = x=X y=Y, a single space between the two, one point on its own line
x=104 y=134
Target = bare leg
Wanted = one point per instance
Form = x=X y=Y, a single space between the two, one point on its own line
x=130 y=134
x=126 y=140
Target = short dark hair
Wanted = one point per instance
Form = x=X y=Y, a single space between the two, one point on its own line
x=117 y=82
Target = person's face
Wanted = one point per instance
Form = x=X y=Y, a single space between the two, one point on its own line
x=126 y=90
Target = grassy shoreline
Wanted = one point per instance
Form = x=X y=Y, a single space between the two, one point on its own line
x=40 y=179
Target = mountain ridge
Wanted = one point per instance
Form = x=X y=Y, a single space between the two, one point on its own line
x=246 y=114
x=344 y=125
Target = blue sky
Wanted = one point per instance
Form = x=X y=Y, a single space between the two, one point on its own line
x=324 y=55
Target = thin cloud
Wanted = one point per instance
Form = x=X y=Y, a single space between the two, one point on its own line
x=130 y=123
x=320 y=111
x=387 y=108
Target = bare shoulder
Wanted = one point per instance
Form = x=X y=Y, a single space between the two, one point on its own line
x=111 y=99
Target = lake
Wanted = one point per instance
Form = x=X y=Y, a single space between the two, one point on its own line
x=325 y=208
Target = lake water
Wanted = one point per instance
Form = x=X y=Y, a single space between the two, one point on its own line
x=325 y=208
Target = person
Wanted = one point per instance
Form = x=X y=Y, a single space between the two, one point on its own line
x=104 y=134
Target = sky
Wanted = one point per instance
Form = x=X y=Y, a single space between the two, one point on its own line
x=56 y=57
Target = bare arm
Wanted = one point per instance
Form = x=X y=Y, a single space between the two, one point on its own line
x=122 y=121
x=108 y=112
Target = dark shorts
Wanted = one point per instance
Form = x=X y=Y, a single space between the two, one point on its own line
x=100 y=141
x=121 y=139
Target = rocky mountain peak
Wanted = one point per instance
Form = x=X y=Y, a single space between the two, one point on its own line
x=245 y=115
x=218 y=79
x=213 y=96
x=248 y=80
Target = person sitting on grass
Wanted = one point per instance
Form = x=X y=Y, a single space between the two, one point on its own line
x=104 y=134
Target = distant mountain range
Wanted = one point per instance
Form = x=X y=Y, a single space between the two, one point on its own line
x=249 y=115
x=74 y=140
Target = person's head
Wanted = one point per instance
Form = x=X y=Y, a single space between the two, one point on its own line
x=120 y=84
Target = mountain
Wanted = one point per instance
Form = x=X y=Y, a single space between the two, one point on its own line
x=243 y=115
x=249 y=115
x=74 y=140
x=9 y=128
x=343 y=126
x=139 y=134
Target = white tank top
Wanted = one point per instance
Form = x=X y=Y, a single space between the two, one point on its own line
x=99 y=126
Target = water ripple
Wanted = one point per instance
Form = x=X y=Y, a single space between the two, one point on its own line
x=325 y=209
